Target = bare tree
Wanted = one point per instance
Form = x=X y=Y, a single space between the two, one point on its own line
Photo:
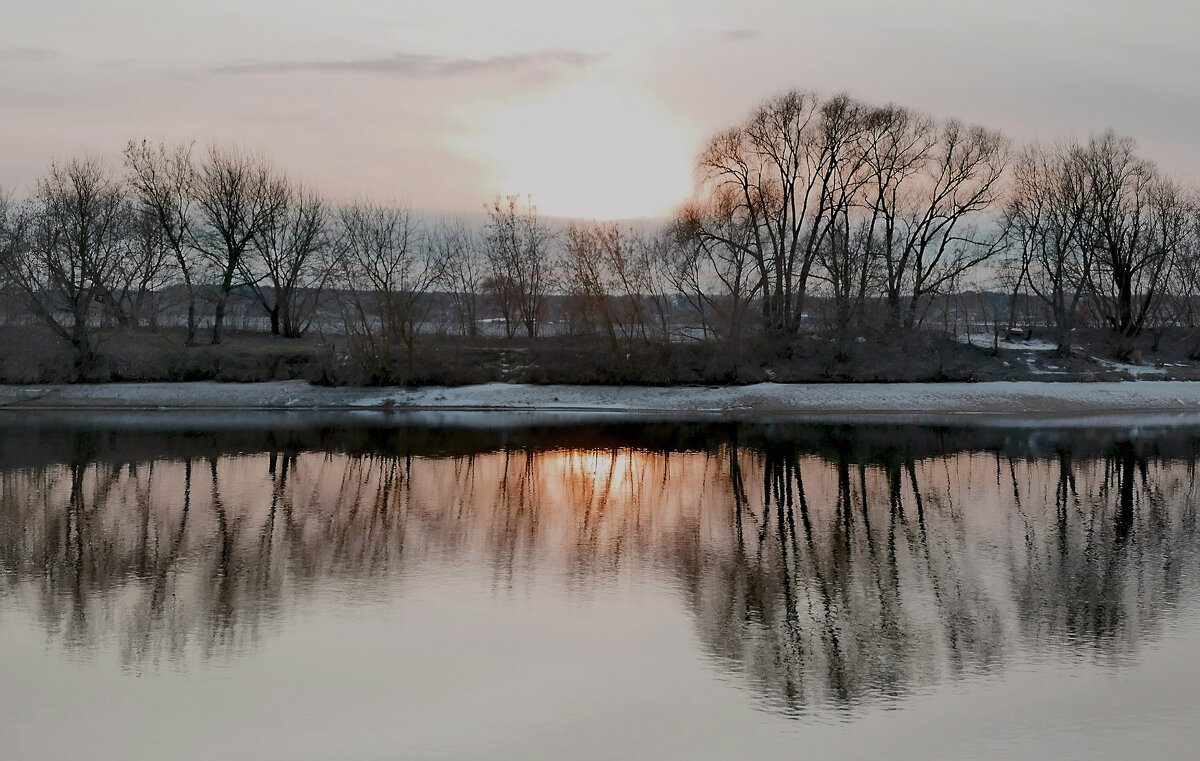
x=1139 y=222
x=460 y=249
x=896 y=147
x=662 y=297
x=945 y=228
x=164 y=182
x=62 y=253
x=844 y=248
x=1048 y=219
x=609 y=277
x=680 y=259
x=715 y=270
x=13 y=228
x=862 y=198
x=386 y=274
x=763 y=199
x=520 y=263
x=238 y=197
x=142 y=272
x=1181 y=291
x=289 y=262
x=586 y=283
x=12 y=231
x=630 y=256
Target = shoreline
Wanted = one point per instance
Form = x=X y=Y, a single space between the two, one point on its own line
x=1147 y=402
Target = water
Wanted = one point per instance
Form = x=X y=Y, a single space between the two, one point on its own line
x=339 y=587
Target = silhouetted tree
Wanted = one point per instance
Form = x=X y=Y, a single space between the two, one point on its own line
x=238 y=198
x=461 y=250
x=163 y=182
x=1049 y=229
x=291 y=261
x=64 y=247
x=386 y=273
x=520 y=263
x=1138 y=223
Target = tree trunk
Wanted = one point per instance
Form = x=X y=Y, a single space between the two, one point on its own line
x=222 y=298
x=85 y=359
x=218 y=319
x=1064 y=340
x=910 y=314
x=1125 y=308
x=895 y=310
x=190 y=340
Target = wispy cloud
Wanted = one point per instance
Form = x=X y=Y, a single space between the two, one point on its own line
x=739 y=35
x=27 y=54
x=414 y=65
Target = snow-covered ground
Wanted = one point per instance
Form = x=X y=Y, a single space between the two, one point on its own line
x=1135 y=371
x=985 y=341
x=1164 y=400
x=1033 y=352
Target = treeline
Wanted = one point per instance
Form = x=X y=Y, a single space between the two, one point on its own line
x=815 y=215
x=884 y=210
x=177 y=231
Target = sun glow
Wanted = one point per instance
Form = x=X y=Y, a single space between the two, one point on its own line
x=590 y=472
x=587 y=150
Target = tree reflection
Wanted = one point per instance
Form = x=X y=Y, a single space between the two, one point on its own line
x=830 y=570
x=1118 y=556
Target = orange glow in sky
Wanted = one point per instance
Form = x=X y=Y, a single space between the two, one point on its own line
x=593 y=150
x=592 y=110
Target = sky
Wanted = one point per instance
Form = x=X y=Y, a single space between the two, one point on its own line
x=593 y=110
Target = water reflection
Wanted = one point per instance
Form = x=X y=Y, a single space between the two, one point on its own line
x=824 y=566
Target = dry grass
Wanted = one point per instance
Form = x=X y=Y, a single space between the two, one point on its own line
x=32 y=354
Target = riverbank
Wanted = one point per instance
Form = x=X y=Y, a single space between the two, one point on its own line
x=32 y=355
x=1170 y=399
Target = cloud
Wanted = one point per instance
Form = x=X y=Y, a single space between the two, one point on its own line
x=413 y=65
x=739 y=35
x=22 y=55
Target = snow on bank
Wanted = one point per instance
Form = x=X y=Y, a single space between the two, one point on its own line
x=1013 y=399
x=986 y=341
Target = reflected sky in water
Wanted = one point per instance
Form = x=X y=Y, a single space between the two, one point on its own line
x=322 y=587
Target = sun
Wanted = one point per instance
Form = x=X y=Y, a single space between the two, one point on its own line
x=595 y=151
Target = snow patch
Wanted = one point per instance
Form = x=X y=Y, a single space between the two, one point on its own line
x=1014 y=398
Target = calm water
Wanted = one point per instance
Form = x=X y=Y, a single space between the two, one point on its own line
x=322 y=587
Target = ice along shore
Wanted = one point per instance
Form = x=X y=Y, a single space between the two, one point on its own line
x=1035 y=400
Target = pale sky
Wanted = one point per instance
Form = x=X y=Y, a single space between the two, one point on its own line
x=594 y=109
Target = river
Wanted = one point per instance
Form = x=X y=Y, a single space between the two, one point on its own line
x=377 y=586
